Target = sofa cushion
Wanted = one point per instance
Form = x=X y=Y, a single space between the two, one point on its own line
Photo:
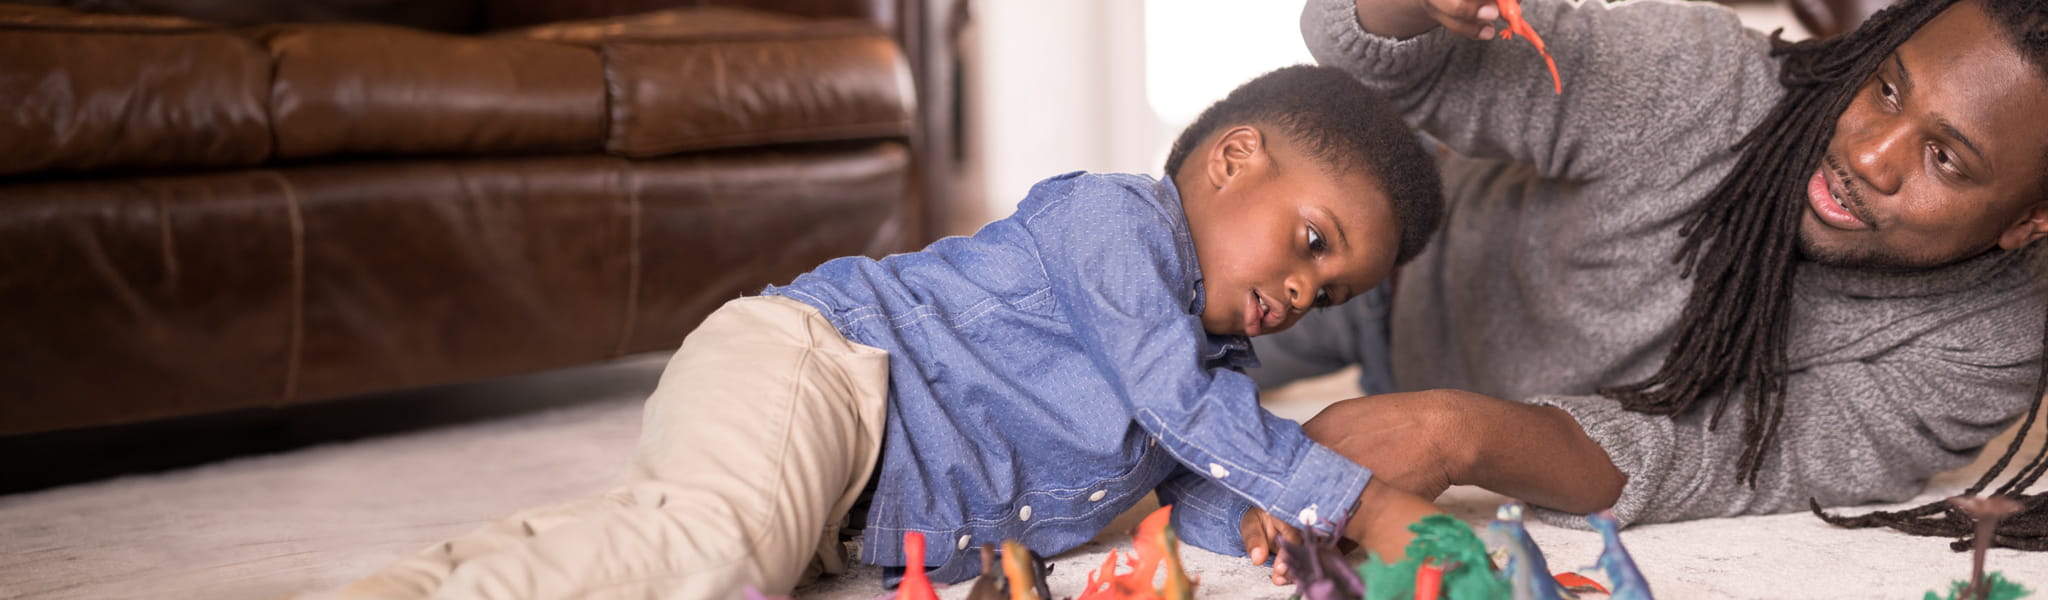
x=376 y=89
x=94 y=92
x=116 y=92
x=714 y=77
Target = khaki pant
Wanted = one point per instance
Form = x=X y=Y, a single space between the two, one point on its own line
x=760 y=436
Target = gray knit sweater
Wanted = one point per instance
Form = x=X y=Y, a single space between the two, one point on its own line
x=1553 y=275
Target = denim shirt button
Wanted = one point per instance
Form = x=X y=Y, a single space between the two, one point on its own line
x=1098 y=495
x=1024 y=514
x=963 y=543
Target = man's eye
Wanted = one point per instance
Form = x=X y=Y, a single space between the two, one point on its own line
x=1888 y=93
x=1322 y=299
x=1315 y=241
x=1946 y=161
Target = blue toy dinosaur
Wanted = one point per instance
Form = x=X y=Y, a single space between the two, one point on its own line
x=1526 y=571
x=1626 y=582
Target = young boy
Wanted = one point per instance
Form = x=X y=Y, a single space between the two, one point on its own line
x=1030 y=382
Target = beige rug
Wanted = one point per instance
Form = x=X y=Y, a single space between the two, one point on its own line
x=296 y=524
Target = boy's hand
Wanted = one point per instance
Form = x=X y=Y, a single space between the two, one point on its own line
x=1259 y=529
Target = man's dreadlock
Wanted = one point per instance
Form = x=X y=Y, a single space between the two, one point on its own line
x=1741 y=245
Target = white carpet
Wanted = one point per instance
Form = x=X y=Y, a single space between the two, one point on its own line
x=292 y=524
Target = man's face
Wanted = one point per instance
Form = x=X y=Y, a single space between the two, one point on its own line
x=1283 y=236
x=1938 y=156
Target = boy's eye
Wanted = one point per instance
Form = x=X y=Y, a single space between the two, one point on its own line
x=1322 y=299
x=1316 y=244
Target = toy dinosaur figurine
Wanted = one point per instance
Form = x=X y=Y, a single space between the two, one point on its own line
x=1024 y=572
x=1318 y=566
x=1526 y=570
x=1155 y=545
x=1156 y=532
x=1511 y=11
x=989 y=585
x=1627 y=581
x=915 y=585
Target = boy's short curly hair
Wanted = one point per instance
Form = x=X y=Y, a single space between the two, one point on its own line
x=1345 y=126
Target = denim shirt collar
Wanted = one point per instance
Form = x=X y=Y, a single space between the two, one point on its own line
x=1218 y=351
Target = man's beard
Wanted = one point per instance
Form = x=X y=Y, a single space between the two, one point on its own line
x=1879 y=261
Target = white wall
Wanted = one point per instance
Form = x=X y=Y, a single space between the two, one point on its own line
x=1044 y=91
x=1101 y=85
x=1104 y=85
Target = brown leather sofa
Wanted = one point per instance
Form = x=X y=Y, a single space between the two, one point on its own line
x=268 y=203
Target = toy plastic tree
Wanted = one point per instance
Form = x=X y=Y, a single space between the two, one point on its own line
x=1986 y=512
x=1452 y=555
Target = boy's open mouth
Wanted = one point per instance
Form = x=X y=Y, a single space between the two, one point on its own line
x=1255 y=314
x=1259 y=316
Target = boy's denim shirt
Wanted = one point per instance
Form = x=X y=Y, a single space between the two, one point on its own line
x=1050 y=370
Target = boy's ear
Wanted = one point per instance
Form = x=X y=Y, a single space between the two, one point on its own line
x=1237 y=150
x=2032 y=225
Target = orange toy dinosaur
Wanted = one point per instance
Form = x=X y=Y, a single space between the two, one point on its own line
x=1155 y=544
x=1511 y=11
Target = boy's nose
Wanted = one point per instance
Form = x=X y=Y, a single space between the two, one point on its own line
x=1297 y=300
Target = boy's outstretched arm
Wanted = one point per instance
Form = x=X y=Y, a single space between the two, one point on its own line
x=1380 y=524
x=1423 y=442
x=1205 y=510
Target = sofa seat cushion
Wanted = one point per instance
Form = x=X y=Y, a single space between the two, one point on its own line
x=349 y=89
x=96 y=92
x=719 y=77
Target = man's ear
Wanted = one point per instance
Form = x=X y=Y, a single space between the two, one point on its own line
x=2032 y=225
x=1236 y=151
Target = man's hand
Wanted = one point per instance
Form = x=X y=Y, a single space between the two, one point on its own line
x=1424 y=442
x=1259 y=530
x=1408 y=440
x=1380 y=523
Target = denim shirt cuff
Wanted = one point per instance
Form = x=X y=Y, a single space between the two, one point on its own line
x=1212 y=523
x=1323 y=490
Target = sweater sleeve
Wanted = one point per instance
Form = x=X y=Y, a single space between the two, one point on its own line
x=1677 y=77
x=1854 y=431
